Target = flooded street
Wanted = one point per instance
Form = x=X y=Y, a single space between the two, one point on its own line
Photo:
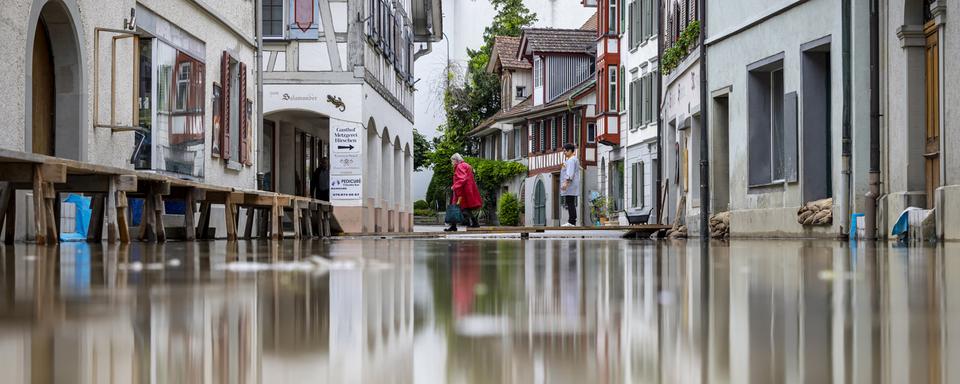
x=480 y=311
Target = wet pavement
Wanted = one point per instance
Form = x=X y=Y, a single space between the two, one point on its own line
x=480 y=311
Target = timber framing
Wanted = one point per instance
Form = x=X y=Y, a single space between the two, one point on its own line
x=110 y=188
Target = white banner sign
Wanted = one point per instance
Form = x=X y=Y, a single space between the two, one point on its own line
x=346 y=151
x=346 y=187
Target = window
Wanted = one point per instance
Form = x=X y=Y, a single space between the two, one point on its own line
x=272 y=18
x=612 y=83
x=553 y=133
x=634 y=196
x=517 y=139
x=521 y=91
x=576 y=128
x=766 y=122
x=612 y=17
x=647 y=29
x=636 y=111
x=537 y=72
x=540 y=132
x=591 y=132
x=563 y=130
x=623 y=80
x=647 y=99
x=633 y=25
x=641 y=183
x=183 y=87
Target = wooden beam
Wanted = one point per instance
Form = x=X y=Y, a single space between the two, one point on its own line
x=158 y=209
x=111 y=211
x=248 y=227
x=189 y=226
x=49 y=195
x=296 y=219
x=146 y=217
x=203 y=227
x=23 y=172
x=11 y=218
x=123 y=226
x=39 y=216
x=276 y=215
x=230 y=221
x=98 y=183
x=6 y=193
x=95 y=229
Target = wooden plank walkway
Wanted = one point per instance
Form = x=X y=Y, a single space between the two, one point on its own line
x=524 y=232
x=111 y=187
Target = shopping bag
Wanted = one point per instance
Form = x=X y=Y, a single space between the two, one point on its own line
x=453 y=216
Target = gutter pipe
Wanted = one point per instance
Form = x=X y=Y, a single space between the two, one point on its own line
x=704 y=128
x=845 y=171
x=870 y=214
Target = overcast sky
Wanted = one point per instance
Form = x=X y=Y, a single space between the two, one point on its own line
x=463 y=24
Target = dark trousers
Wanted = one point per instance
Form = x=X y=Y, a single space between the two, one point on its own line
x=570 y=202
x=469 y=218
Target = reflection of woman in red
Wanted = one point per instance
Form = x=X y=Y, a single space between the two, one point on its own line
x=466 y=195
x=465 y=276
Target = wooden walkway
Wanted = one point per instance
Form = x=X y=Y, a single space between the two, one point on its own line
x=111 y=187
x=524 y=232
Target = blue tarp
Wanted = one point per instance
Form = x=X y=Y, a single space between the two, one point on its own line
x=82 y=220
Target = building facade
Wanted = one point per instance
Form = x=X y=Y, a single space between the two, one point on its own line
x=338 y=85
x=135 y=85
x=776 y=89
x=920 y=117
x=680 y=111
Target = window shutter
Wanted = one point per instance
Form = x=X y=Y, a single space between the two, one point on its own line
x=790 y=160
x=225 y=106
x=244 y=155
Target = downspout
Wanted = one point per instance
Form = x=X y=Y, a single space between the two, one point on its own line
x=704 y=128
x=258 y=17
x=659 y=185
x=870 y=215
x=845 y=172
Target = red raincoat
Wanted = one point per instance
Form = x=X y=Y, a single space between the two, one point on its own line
x=465 y=186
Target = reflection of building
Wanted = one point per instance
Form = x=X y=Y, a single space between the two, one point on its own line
x=338 y=84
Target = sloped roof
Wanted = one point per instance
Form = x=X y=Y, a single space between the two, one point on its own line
x=590 y=24
x=505 y=50
x=517 y=110
x=527 y=109
x=557 y=40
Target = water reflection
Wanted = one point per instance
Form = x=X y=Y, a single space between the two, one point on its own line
x=479 y=311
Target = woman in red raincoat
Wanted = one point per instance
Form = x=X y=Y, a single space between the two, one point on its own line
x=466 y=195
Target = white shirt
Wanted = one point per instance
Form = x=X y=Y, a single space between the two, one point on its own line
x=570 y=172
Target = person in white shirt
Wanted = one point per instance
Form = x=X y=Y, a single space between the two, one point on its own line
x=570 y=182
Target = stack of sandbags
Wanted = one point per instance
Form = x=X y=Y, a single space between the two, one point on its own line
x=677 y=232
x=720 y=225
x=818 y=212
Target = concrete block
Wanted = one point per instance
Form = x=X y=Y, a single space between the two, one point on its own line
x=776 y=223
x=948 y=213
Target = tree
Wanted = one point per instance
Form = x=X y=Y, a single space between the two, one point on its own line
x=473 y=96
x=421 y=149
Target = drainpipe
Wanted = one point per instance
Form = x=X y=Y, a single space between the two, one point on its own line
x=870 y=216
x=845 y=171
x=258 y=17
x=659 y=185
x=704 y=128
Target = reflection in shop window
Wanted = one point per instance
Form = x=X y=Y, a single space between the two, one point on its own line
x=171 y=110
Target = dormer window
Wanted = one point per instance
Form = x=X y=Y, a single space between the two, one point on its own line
x=537 y=72
x=521 y=92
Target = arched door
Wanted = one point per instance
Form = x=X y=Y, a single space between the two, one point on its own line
x=43 y=93
x=540 y=204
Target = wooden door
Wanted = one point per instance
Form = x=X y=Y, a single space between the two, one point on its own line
x=556 y=197
x=43 y=93
x=932 y=131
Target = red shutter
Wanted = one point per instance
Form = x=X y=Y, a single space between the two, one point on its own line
x=225 y=107
x=244 y=155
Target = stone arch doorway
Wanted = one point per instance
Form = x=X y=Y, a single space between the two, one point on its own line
x=55 y=106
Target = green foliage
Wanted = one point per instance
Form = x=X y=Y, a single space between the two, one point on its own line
x=421 y=204
x=424 y=212
x=472 y=97
x=508 y=210
x=674 y=55
x=489 y=174
x=421 y=149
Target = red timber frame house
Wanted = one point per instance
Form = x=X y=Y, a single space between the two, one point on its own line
x=608 y=73
x=562 y=105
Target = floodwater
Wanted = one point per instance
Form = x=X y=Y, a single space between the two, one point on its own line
x=480 y=311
